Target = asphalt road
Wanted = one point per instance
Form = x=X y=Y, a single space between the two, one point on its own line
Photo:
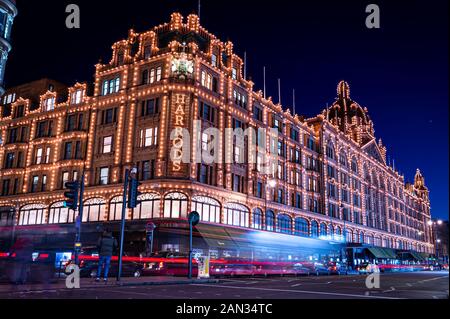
x=420 y=285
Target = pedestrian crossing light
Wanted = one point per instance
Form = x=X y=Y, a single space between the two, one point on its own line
x=133 y=193
x=71 y=195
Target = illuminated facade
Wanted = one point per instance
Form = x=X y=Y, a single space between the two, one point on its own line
x=333 y=182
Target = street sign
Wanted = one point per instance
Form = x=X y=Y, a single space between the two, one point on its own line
x=194 y=218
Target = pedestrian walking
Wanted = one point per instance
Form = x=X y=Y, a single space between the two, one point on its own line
x=107 y=244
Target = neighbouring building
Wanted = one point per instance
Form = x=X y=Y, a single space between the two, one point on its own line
x=333 y=188
x=8 y=12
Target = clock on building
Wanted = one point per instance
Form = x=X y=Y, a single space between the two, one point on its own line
x=182 y=67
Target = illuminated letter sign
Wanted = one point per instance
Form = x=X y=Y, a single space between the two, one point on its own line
x=179 y=121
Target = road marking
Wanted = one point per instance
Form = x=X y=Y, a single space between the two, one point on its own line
x=409 y=285
x=252 y=282
x=296 y=291
x=433 y=279
x=296 y=285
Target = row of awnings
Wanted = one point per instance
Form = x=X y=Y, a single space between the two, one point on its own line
x=388 y=253
x=383 y=253
x=418 y=256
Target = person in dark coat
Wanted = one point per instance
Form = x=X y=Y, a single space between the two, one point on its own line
x=106 y=244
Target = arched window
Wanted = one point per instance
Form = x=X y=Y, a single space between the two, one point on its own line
x=314 y=229
x=301 y=227
x=330 y=151
x=59 y=214
x=284 y=224
x=343 y=159
x=236 y=215
x=208 y=208
x=32 y=215
x=94 y=210
x=115 y=209
x=148 y=207
x=338 y=232
x=270 y=221
x=361 y=238
x=323 y=230
x=354 y=165
x=348 y=233
x=175 y=205
x=257 y=222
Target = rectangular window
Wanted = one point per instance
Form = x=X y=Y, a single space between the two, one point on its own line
x=71 y=122
x=65 y=179
x=68 y=151
x=214 y=60
x=5 y=188
x=149 y=107
x=146 y=170
x=107 y=145
x=47 y=155
x=39 y=153
x=9 y=160
x=158 y=74
x=76 y=97
x=148 y=137
x=50 y=104
x=104 y=176
x=234 y=74
x=44 y=183
x=34 y=184
x=147 y=51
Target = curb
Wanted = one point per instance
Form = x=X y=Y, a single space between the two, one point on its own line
x=122 y=284
x=173 y=282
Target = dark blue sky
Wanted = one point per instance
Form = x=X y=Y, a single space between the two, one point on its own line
x=400 y=72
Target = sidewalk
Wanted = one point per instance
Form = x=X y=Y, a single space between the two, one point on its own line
x=90 y=283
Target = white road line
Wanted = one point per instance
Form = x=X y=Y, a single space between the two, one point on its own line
x=433 y=279
x=296 y=291
x=296 y=285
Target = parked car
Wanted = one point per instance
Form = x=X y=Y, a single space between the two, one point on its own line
x=318 y=269
x=337 y=268
x=301 y=269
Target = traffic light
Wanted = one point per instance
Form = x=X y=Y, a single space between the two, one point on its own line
x=133 y=193
x=71 y=195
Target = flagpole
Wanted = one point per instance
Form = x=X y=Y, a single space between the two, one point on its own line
x=245 y=65
x=279 y=91
x=264 y=75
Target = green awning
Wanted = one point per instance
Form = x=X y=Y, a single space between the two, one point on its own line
x=425 y=256
x=417 y=256
x=389 y=253
x=383 y=253
x=377 y=253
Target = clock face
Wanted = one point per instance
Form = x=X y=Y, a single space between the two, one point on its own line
x=182 y=67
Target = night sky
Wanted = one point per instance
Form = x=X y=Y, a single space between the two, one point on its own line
x=399 y=72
